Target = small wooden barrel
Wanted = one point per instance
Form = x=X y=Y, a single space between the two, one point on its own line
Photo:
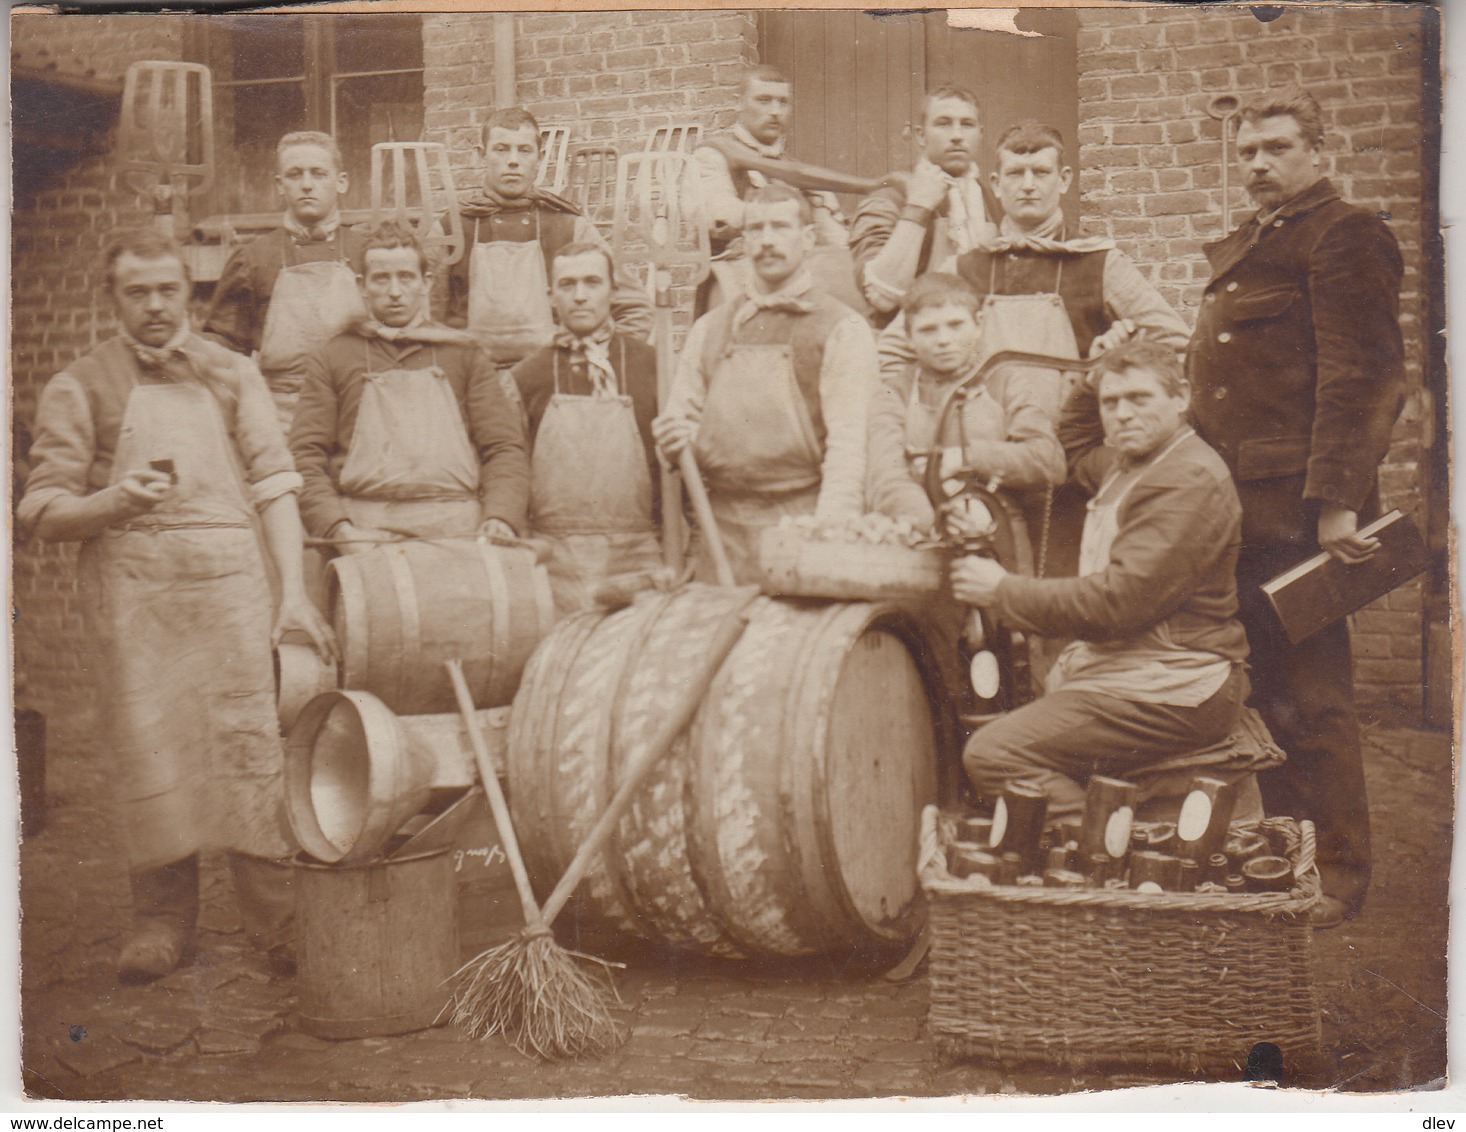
x=378 y=945
x=783 y=822
x=403 y=609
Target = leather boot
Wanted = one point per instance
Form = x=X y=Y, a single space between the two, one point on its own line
x=165 y=910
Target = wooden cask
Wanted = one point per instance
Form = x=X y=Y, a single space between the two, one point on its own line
x=403 y=609
x=783 y=822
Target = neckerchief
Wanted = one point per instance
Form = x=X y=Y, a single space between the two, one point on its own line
x=420 y=329
x=755 y=178
x=1047 y=237
x=155 y=357
x=594 y=349
x=966 y=214
x=788 y=298
x=316 y=234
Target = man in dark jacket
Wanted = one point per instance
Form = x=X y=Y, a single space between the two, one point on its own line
x=1156 y=669
x=1297 y=365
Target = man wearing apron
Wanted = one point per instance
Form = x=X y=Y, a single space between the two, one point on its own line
x=403 y=430
x=924 y=220
x=500 y=289
x=772 y=391
x=161 y=453
x=765 y=107
x=286 y=293
x=590 y=396
x=1047 y=293
x=1157 y=669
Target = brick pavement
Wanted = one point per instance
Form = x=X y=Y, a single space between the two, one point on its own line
x=221 y=1030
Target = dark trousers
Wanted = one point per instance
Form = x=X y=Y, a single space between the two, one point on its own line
x=1305 y=695
x=1066 y=736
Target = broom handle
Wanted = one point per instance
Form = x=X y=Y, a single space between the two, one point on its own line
x=698 y=493
x=674 y=526
x=727 y=635
x=495 y=793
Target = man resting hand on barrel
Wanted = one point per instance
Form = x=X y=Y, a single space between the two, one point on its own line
x=1156 y=669
x=403 y=429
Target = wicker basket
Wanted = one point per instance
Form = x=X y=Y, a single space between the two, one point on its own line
x=791 y=564
x=1168 y=982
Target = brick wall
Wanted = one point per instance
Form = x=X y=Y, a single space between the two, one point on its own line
x=613 y=76
x=1150 y=176
x=59 y=313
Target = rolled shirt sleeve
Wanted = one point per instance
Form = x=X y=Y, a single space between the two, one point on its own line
x=721 y=203
x=1128 y=294
x=848 y=379
x=269 y=468
x=1028 y=454
x=63 y=449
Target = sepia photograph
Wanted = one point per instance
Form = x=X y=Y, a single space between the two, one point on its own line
x=433 y=683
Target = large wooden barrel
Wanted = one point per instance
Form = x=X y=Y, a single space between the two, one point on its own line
x=403 y=609
x=783 y=822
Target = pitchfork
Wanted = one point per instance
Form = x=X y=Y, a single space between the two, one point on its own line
x=658 y=204
x=167 y=118
x=439 y=200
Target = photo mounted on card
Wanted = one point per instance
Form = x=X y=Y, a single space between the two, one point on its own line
x=733 y=555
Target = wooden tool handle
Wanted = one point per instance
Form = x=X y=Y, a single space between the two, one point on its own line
x=692 y=478
x=495 y=792
x=727 y=635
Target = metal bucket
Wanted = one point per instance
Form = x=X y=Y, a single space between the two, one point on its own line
x=378 y=944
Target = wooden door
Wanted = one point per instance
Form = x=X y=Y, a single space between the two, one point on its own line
x=859 y=79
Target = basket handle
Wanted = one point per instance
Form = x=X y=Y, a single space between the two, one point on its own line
x=1307 y=848
x=928 y=851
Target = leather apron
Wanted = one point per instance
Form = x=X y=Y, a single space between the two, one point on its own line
x=509 y=296
x=758 y=451
x=180 y=599
x=590 y=492
x=411 y=467
x=310 y=304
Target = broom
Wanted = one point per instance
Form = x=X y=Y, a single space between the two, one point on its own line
x=529 y=988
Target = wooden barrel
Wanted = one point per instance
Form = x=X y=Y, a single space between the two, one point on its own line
x=783 y=822
x=355 y=772
x=378 y=945
x=403 y=609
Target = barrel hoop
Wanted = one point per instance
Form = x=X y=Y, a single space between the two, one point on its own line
x=351 y=626
x=654 y=838
x=531 y=745
x=544 y=598
x=410 y=642
x=500 y=629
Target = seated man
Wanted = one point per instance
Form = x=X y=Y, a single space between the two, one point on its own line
x=290 y=291
x=403 y=428
x=999 y=430
x=772 y=391
x=1156 y=669
x=590 y=397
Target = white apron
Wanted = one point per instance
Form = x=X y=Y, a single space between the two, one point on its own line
x=180 y=599
x=509 y=296
x=591 y=492
x=310 y=304
x=757 y=449
x=411 y=467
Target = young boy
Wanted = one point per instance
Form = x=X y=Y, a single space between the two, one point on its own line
x=999 y=430
x=286 y=293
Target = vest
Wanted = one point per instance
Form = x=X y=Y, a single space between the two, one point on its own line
x=805 y=334
x=1081 y=283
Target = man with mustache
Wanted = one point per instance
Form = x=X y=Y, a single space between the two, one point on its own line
x=765 y=107
x=160 y=453
x=1298 y=368
x=922 y=221
x=772 y=389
